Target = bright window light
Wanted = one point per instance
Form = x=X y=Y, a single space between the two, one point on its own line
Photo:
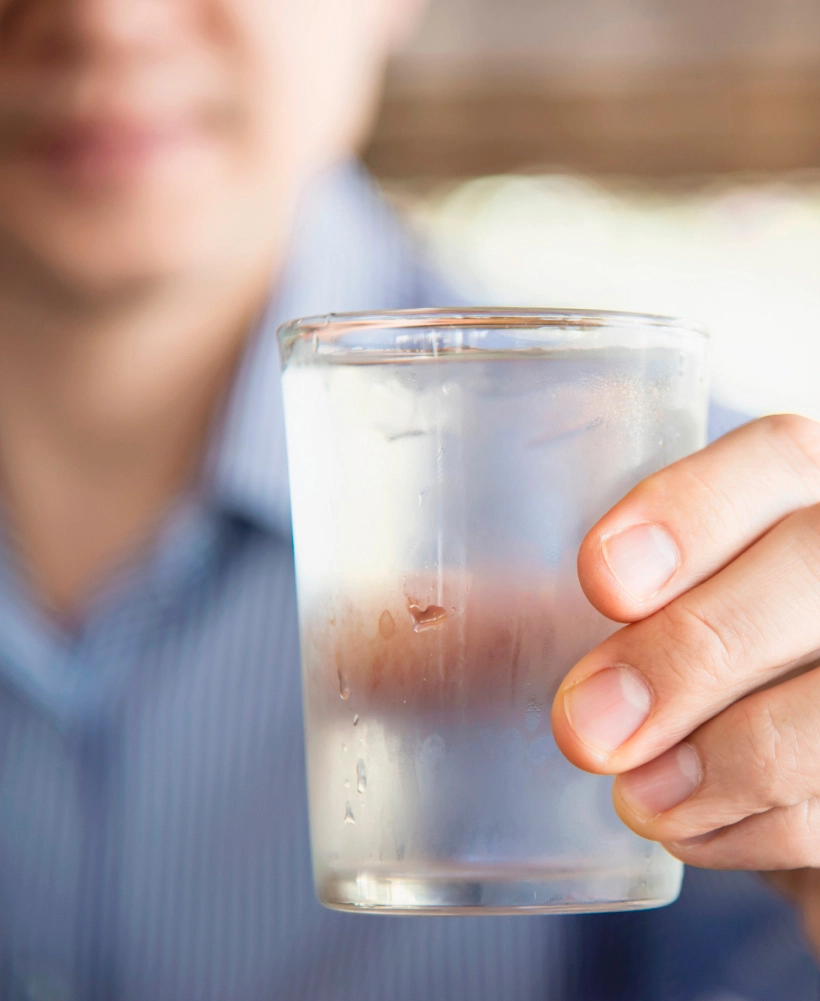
x=741 y=257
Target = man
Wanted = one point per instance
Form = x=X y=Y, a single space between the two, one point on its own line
x=153 y=840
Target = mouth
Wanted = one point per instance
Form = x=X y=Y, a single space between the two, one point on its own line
x=97 y=131
x=110 y=150
x=106 y=150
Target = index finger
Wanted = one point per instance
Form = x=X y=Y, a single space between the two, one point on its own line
x=681 y=525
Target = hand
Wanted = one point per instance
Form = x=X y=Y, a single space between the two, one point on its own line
x=706 y=706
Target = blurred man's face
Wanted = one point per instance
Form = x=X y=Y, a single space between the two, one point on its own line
x=140 y=139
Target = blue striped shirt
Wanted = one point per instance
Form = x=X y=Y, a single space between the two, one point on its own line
x=153 y=823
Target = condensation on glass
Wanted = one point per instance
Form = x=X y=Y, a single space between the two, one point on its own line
x=445 y=467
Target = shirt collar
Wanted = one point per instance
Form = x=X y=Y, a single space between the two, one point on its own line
x=349 y=252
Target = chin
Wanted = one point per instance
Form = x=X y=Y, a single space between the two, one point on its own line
x=98 y=241
x=105 y=257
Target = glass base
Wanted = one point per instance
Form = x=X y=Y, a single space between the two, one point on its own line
x=540 y=891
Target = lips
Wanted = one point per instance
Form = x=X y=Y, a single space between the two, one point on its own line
x=81 y=131
x=76 y=144
x=107 y=150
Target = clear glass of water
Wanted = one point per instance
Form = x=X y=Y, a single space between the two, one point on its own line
x=445 y=466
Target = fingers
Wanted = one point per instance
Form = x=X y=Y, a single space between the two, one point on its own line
x=684 y=523
x=758 y=755
x=786 y=838
x=654 y=682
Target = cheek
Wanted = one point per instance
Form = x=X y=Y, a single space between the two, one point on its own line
x=311 y=70
x=215 y=186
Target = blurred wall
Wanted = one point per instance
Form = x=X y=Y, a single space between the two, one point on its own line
x=607 y=106
x=576 y=35
x=646 y=87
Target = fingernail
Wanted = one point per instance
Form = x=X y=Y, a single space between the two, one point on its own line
x=642 y=559
x=606 y=709
x=663 y=783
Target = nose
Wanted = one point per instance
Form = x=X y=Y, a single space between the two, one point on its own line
x=114 y=24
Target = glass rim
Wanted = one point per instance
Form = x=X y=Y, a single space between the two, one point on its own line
x=333 y=324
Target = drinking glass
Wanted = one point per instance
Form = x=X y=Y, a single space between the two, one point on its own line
x=444 y=467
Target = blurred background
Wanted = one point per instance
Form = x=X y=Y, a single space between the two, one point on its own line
x=651 y=155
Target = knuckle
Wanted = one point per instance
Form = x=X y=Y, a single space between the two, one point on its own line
x=678 y=489
x=802 y=830
x=804 y=540
x=798 y=437
x=720 y=510
x=696 y=638
x=810 y=519
x=770 y=747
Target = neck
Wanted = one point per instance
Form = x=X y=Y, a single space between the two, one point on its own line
x=104 y=412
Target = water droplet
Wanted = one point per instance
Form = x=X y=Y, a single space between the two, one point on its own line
x=533 y=716
x=387 y=626
x=361 y=776
x=426 y=617
x=446 y=389
x=346 y=783
x=344 y=687
x=355 y=719
x=349 y=818
x=344 y=747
